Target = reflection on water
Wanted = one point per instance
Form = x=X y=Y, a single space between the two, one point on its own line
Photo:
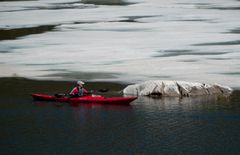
x=184 y=104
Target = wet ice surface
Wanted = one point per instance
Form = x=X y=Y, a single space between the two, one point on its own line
x=121 y=40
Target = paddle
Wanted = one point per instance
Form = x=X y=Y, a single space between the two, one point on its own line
x=103 y=90
x=59 y=95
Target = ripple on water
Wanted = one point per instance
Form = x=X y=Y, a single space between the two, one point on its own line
x=183 y=123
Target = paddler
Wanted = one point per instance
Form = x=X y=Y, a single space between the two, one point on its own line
x=79 y=90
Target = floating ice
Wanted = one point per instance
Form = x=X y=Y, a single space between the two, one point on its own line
x=176 y=88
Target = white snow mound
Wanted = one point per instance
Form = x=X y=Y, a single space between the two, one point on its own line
x=176 y=88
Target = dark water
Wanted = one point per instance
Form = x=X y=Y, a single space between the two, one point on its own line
x=201 y=125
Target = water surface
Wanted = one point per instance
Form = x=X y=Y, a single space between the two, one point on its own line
x=200 y=125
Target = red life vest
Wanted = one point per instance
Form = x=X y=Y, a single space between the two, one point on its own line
x=78 y=91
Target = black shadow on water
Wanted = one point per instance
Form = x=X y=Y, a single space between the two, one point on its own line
x=83 y=4
x=232 y=73
x=55 y=70
x=134 y=19
x=127 y=19
x=225 y=43
x=8 y=34
x=219 y=58
x=193 y=3
x=223 y=8
x=172 y=53
x=83 y=22
x=59 y=6
x=211 y=6
x=4 y=52
x=106 y=2
x=190 y=60
x=111 y=63
x=193 y=20
x=55 y=6
x=118 y=29
x=234 y=31
x=48 y=64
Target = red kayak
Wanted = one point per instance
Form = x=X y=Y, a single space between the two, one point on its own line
x=85 y=99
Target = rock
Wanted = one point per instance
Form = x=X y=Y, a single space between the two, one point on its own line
x=176 y=88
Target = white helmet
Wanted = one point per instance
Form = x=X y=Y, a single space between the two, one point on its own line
x=80 y=82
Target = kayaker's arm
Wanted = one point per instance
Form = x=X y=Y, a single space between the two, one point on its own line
x=74 y=91
x=85 y=91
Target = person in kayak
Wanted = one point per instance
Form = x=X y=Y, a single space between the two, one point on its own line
x=79 y=90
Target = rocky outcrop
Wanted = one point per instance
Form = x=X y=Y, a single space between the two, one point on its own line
x=176 y=88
